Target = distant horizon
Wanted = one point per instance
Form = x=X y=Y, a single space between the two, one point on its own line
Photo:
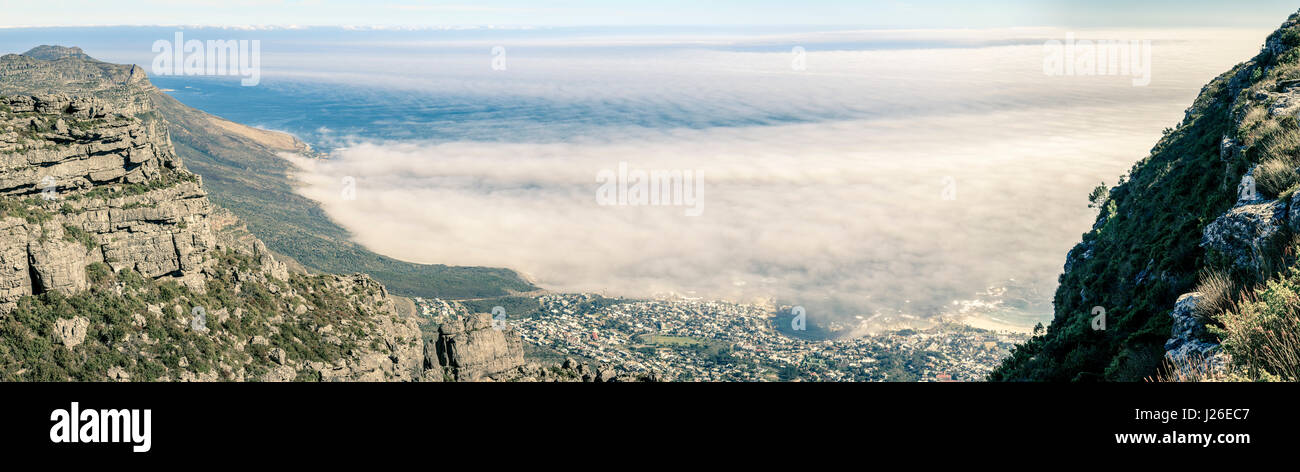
x=918 y=14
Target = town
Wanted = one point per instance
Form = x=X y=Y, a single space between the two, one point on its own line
x=692 y=340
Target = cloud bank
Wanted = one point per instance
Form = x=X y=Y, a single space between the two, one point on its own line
x=900 y=182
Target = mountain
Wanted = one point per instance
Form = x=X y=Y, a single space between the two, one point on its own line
x=241 y=168
x=54 y=53
x=1190 y=271
x=115 y=265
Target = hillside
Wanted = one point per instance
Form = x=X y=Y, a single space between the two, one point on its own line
x=240 y=167
x=114 y=265
x=244 y=174
x=1193 y=254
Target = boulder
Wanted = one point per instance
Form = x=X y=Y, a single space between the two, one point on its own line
x=472 y=349
x=71 y=332
x=1187 y=337
x=1245 y=231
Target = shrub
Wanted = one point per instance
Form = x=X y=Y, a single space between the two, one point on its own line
x=1217 y=294
x=1192 y=368
x=74 y=234
x=1275 y=176
x=1262 y=335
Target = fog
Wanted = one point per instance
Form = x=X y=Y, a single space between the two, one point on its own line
x=946 y=180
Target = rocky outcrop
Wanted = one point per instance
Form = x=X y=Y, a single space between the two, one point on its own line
x=472 y=348
x=1188 y=333
x=60 y=70
x=1244 y=232
x=71 y=331
x=1187 y=349
x=1081 y=252
x=54 y=143
x=83 y=183
x=90 y=184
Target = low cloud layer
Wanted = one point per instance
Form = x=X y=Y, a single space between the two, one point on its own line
x=849 y=212
x=840 y=211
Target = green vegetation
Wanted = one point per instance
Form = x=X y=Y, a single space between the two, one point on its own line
x=87 y=125
x=670 y=340
x=1262 y=332
x=1154 y=224
x=29 y=209
x=123 y=332
x=168 y=178
x=246 y=177
x=74 y=234
x=1097 y=199
x=1145 y=251
x=716 y=351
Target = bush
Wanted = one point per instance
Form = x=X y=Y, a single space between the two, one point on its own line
x=1275 y=176
x=74 y=234
x=1262 y=335
x=1217 y=294
x=1192 y=368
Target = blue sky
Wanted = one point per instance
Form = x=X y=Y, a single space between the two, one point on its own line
x=865 y=13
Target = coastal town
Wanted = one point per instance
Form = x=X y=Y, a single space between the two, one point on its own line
x=693 y=340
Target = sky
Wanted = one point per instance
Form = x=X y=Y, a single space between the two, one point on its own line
x=868 y=13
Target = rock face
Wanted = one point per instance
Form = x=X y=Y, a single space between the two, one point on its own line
x=1186 y=348
x=71 y=332
x=1243 y=232
x=1185 y=338
x=1293 y=221
x=92 y=191
x=473 y=349
x=93 y=198
x=106 y=188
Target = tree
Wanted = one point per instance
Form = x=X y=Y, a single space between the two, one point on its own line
x=1097 y=199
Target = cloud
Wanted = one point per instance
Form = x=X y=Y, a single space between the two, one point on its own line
x=824 y=190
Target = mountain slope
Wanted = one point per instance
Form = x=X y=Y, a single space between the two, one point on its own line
x=115 y=266
x=1183 y=236
x=244 y=174
x=240 y=166
x=112 y=267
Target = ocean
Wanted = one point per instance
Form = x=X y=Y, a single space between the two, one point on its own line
x=878 y=178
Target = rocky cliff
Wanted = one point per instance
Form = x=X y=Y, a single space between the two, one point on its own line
x=473 y=348
x=1193 y=259
x=83 y=181
x=97 y=211
x=115 y=265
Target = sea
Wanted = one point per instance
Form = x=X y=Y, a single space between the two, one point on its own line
x=875 y=178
